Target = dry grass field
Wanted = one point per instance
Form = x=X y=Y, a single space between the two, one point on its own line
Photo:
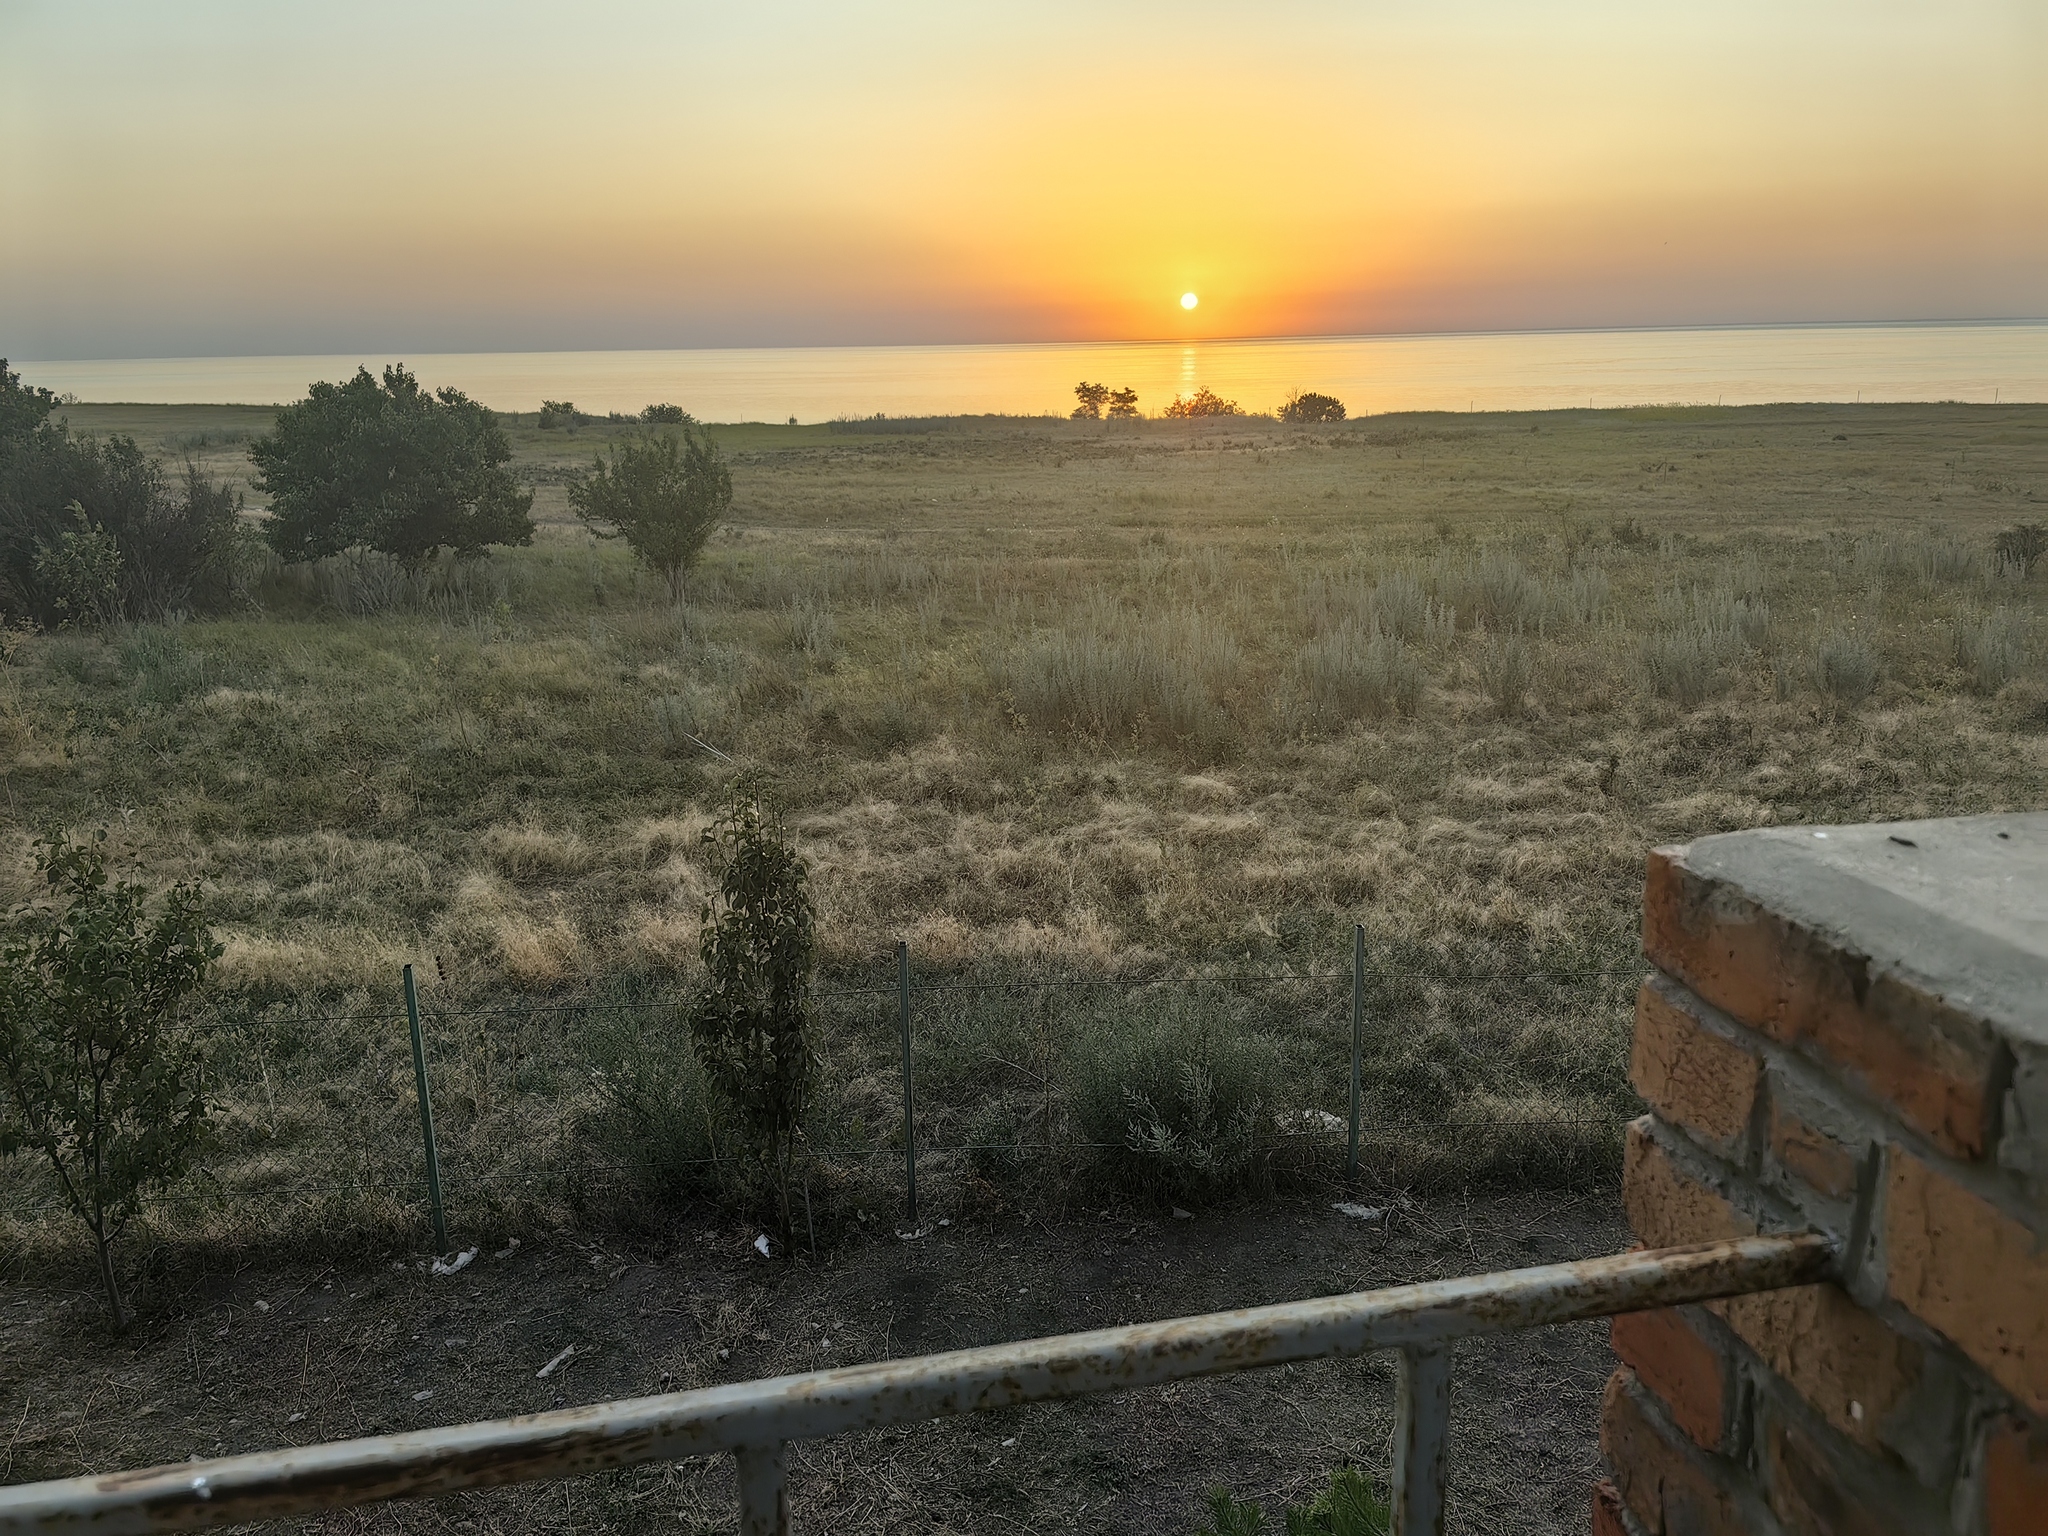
x=1054 y=702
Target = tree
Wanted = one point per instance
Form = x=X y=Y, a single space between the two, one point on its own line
x=100 y=1079
x=389 y=467
x=1092 y=397
x=1203 y=402
x=1306 y=407
x=558 y=413
x=750 y=1021
x=665 y=415
x=663 y=495
x=1123 y=404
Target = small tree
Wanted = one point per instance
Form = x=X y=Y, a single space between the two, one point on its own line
x=558 y=413
x=665 y=415
x=389 y=467
x=1306 y=407
x=99 y=1077
x=663 y=495
x=1092 y=397
x=1123 y=404
x=750 y=1022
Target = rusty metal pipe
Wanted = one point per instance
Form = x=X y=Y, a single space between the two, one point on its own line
x=572 y=1442
x=1422 y=1436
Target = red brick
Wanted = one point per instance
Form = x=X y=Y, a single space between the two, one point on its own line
x=1964 y=1267
x=1607 y=1517
x=2015 y=1480
x=1934 y=1065
x=1848 y=1365
x=1669 y=1486
x=1686 y=1371
x=1816 y=1498
x=1690 y=1075
x=1666 y=1206
x=1812 y=1156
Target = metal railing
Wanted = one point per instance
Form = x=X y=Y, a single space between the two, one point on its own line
x=755 y=1420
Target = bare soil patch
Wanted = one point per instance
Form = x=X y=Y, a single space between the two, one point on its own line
x=241 y=1359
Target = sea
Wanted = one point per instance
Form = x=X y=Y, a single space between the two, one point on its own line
x=1986 y=362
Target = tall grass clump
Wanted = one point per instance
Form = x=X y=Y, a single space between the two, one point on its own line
x=1505 y=671
x=1846 y=666
x=1400 y=606
x=1116 y=674
x=1491 y=590
x=1581 y=599
x=1351 y=672
x=1991 y=648
x=1696 y=637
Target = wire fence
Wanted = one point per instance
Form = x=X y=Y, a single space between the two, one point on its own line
x=1182 y=1084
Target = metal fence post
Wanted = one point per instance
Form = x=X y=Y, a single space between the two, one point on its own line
x=764 y=1494
x=1357 y=1041
x=419 y=1073
x=909 y=1109
x=1422 y=1424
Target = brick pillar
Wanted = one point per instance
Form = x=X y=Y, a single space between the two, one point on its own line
x=1846 y=1030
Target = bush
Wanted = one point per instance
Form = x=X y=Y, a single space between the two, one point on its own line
x=1492 y=591
x=657 y=1115
x=1351 y=672
x=1309 y=408
x=1203 y=402
x=1991 y=648
x=1114 y=674
x=1846 y=666
x=100 y=1080
x=665 y=415
x=2019 y=549
x=750 y=1021
x=80 y=572
x=1177 y=1105
x=664 y=496
x=1092 y=398
x=1505 y=671
x=173 y=553
x=1123 y=404
x=558 y=413
x=1400 y=607
x=388 y=467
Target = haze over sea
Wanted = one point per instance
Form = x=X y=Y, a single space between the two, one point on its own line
x=1730 y=365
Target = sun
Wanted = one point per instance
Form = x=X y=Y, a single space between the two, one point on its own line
x=1188 y=301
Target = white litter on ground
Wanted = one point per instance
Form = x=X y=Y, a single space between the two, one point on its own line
x=511 y=1247
x=421 y=1397
x=761 y=1245
x=450 y=1266
x=549 y=1369
x=1360 y=1212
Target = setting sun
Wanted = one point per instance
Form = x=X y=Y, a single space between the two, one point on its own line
x=1188 y=301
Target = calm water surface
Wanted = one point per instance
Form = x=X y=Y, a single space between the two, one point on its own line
x=1515 y=371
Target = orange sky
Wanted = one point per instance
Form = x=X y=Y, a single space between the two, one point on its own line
x=218 y=178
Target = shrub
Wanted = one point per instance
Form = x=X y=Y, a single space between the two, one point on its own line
x=80 y=572
x=664 y=496
x=656 y=1115
x=558 y=413
x=1684 y=664
x=1991 y=648
x=100 y=1079
x=1492 y=590
x=1203 y=402
x=1583 y=599
x=665 y=415
x=750 y=1020
x=389 y=467
x=1400 y=607
x=1177 y=1105
x=1847 y=666
x=2019 y=548
x=1092 y=398
x=1351 y=672
x=1505 y=671
x=1309 y=408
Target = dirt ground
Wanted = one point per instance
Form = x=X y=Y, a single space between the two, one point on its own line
x=272 y=1355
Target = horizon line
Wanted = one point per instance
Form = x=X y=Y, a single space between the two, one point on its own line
x=1155 y=341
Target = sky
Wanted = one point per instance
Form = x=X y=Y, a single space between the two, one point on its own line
x=213 y=178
